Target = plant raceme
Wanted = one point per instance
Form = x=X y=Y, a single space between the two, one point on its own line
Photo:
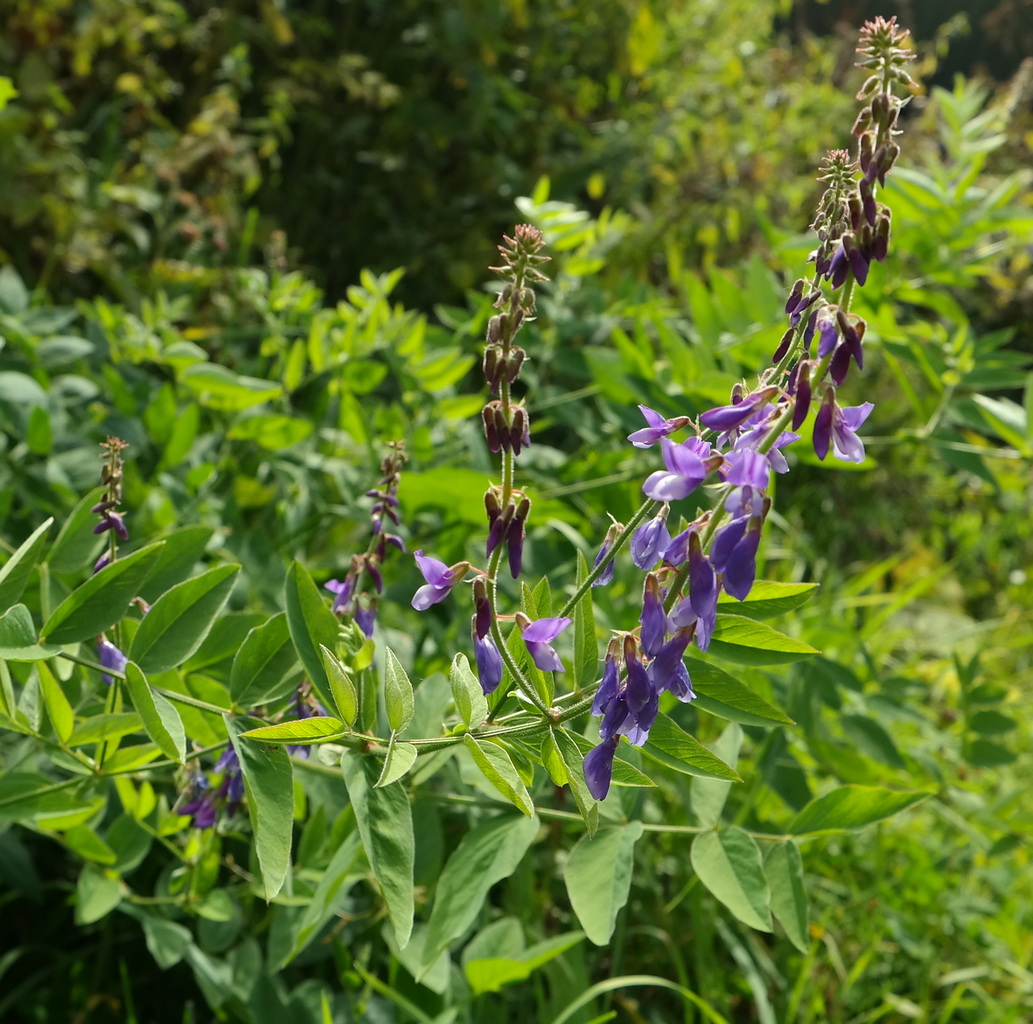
x=248 y=694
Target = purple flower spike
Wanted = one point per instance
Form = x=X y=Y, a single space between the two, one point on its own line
x=685 y=472
x=537 y=636
x=489 y=663
x=110 y=657
x=599 y=767
x=440 y=580
x=658 y=428
x=649 y=542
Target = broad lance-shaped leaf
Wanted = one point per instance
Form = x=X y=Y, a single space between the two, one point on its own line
x=161 y=720
x=180 y=620
x=467 y=693
x=783 y=869
x=346 y=697
x=299 y=731
x=728 y=864
x=720 y=694
x=497 y=767
x=747 y=642
x=400 y=758
x=311 y=624
x=670 y=745
x=398 y=695
x=490 y=974
x=18 y=639
x=768 y=600
x=183 y=549
x=58 y=708
x=262 y=664
x=18 y=568
x=384 y=820
x=853 y=807
x=269 y=788
x=102 y=600
x=598 y=878
x=707 y=796
x=486 y=854
x=77 y=545
x=586 y=645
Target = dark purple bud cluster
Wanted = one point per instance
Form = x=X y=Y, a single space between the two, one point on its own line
x=506 y=525
x=506 y=429
x=349 y=597
x=111 y=480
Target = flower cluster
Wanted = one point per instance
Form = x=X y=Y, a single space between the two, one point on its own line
x=685 y=573
x=349 y=597
x=107 y=508
x=206 y=803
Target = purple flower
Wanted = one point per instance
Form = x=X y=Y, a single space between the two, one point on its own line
x=650 y=541
x=728 y=417
x=537 y=636
x=111 y=520
x=734 y=554
x=753 y=437
x=657 y=429
x=667 y=670
x=606 y=576
x=599 y=767
x=366 y=616
x=840 y=426
x=343 y=591
x=686 y=470
x=489 y=663
x=641 y=704
x=110 y=657
x=609 y=686
x=653 y=618
x=440 y=579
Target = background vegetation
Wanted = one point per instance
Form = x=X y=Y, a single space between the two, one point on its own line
x=251 y=240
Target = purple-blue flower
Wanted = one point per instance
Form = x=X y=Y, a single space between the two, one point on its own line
x=598 y=767
x=667 y=670
x=440 y=579
x=489 y=663
x=653 y=617
x=110 y=657
x=840 y=426
x=606 y=576
x=734 y=554
x=686 y=470
x=342 y=591
x=658 y=428
x=728 y=417
x=650 y=541
x=537 y=637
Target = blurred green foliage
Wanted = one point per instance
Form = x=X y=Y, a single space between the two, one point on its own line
x=149 y=161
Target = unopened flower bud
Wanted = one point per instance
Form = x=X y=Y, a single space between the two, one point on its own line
x=491 y=367
x=519 y=430
x=496 y=328
x=482 y=608
x=514 y=361
x=490 y=420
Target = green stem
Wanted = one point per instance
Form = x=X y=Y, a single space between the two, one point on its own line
x=647 y=509
x=194 y=702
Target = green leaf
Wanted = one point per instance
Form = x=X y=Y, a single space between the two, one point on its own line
x=497 y=767
x=707 y=796
x=82 y=840
x=100 y=728
x=853 y=807
x=18 y=637
x=747 y=642
x=768 y=600
x=77 y=545
x=400 y=758
x=18 y=568
x=384 y=819
x=303 y=730
x=672 y=746
x=222 y=389
x=586 y=646
x=39 y=434
x=166 y=941
x=31 y=796
x=783 y=868
x=598 y=878
x=161 y=720
x=102 y=600
x=96 y=895
x=271 y=431
x=488 y=853
x=572 y=762
x=871 y=739
x=346 y=697
x=728 y=864
x=269 y=787
x=467 y=693
x=337 y=879
x=180 y=619
x=183 y=549
x=398 y=695
x=264 y=660
x=490 y=974
x=311 y=624
x=58 y=708
x=720 y=694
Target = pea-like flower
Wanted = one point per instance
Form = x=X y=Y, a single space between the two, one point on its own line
x=440 y=579
x=840 y=426
x=537 y=637
x=658 y=428
x=686 y=470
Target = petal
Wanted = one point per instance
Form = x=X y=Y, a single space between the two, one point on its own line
x=544 y=656
x=854 y=415
x=598 y=768
x=428 y=595
x=741 y=568
x=646 y=437
x=544 y=630
x=661 y=486
x=434 y=571
x=683 y=460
